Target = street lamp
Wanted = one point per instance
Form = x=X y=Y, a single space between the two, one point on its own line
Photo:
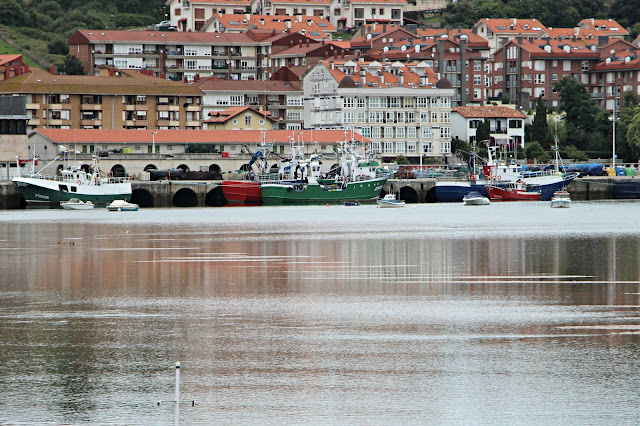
x=613 y=159
x=153 y=142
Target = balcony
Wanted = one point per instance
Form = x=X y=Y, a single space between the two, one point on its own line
x=91 y=122
x=90 y=107
x=168 y=107
x=192 y=107
x=193 y=123
x=33 y=106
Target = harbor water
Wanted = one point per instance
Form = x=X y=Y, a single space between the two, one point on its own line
x=512 y=313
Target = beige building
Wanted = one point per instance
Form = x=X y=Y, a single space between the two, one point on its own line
x=116 y=100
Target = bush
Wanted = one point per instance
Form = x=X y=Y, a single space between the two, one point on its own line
x=534 y=150
x=574 y=153
x=58 y=47
x=401 y=159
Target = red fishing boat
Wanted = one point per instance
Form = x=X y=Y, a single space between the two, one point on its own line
x=515 y=191
x=242 y=192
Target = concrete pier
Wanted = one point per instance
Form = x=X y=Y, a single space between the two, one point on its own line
x=177 y=193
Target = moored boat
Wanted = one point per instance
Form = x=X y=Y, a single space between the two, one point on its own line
x=242 y=192
x=390 y=200
x=122 y=206
x=513 y=192
x=474 y=198
x=76 y=204
x=82 y=181
x=561 y=199
x=354 y=179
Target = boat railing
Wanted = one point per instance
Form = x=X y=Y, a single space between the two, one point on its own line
x=58 y=178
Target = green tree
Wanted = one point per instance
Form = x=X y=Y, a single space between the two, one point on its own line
x=580 y=110
x=12 y=13
x=483 y=132
x=540 y=126
x=58 y=47
x=401 y=159
x=534 y=150
x=71 y=66
x=629 y=98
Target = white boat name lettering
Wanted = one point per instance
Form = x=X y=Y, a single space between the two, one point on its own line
x=46 y=197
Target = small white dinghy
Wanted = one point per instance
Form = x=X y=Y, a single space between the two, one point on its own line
x=76 y=204
x=389 y=200
x=122 y=206
x=474 y=198
x=561 y=199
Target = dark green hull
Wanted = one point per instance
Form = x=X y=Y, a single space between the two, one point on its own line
x=43 y=193
x=287 y=193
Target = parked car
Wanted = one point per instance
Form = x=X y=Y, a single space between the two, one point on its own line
x=165 y=26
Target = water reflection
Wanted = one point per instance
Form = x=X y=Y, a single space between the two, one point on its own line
x=318 y=321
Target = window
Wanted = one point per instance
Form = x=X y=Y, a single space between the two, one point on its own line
x=538 y=78
x=190 y=64
x=515 y=124
x=400 y=147
x=347 y=116
x=374 y=102
x=349 y=102
x=445 y=147
x=445 y=132
x=400 y=117
x=247 y=120
x=411 y=147
x=426 y=147
x=423 y=102
x=411 y=132
x=388 y=147
x=585 y=65
x=376 y=132
x=375 y=147
x=394 y=102
x=237 y=100
x=409 y=102
x=434 y=117
x=362 y=102
x=477 y=80
x=316 y=88
x=388 y=132
x=477 y=65
x=362 y=116
x=366 y=132
x=399 y=132
x=445 y=117
x=445 y=102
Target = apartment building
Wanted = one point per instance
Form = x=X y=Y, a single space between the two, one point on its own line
x=282 y=99
x=609 y=79
x=604 y=27
x=499 y=31
x=403 y=109
x=356 y=13
x=240 y=118
x=114 y=100
x=291 y=7
x=175 y=55
x=191 y=15
x=526 y=69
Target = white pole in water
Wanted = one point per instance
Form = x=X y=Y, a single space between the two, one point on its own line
x=177 y=393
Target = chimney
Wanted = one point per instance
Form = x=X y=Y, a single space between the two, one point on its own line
x=401 y=77
x=332 y=65
x=381 y=78
x=602 y=40
x=307 y=43
x=384 y=28
x=363 y=76
x=112 y=72
x=591 y=21
x=576 y=31
x=519 y=40
x=423 y=79
x=52 y=70
x=514 y=21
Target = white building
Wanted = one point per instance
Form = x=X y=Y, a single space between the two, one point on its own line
x=402 y=108
x=507 y=124
x=356 y=13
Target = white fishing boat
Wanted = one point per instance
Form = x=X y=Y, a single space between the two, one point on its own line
x=561 y=199
x=389 y=200
x=82 y=181
x=122 y=206
x=76 y=204
x=475 y=199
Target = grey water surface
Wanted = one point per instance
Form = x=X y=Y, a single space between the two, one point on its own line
x=512 y=313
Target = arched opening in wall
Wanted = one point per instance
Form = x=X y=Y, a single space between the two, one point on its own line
x=215 y=198
x=431 y=196
x=185 y=197
x=86 y=168
x=215 y=168
x=118 y=171
x=150 y=167
x=245 y=167
x=183 y=167
x=409 y=195
x=142 y=197
x=274 y=169
x=59 y=170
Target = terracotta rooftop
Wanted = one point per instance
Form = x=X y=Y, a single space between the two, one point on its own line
x=315 y=27
x=512 y=25
x=223 y=2
x=7 y=59
x=158 y=37
x=129 y=82
x=410 y=78
x=229 y=113
x=195 y=136
x=604 y=27
x=557 y=48
x=488 y=112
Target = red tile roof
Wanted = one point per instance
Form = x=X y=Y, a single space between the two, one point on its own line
x=604 y=27
x=506 y=25
x=556 y=48
x=488 y=112
x=158 y=37
x=7 y=59
x=229 y=113
x=195 y=136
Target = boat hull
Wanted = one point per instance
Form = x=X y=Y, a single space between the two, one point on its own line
x=314 y=193
x=242 y=192
x=454 y=191
x=500 y=194
x=44 y=192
